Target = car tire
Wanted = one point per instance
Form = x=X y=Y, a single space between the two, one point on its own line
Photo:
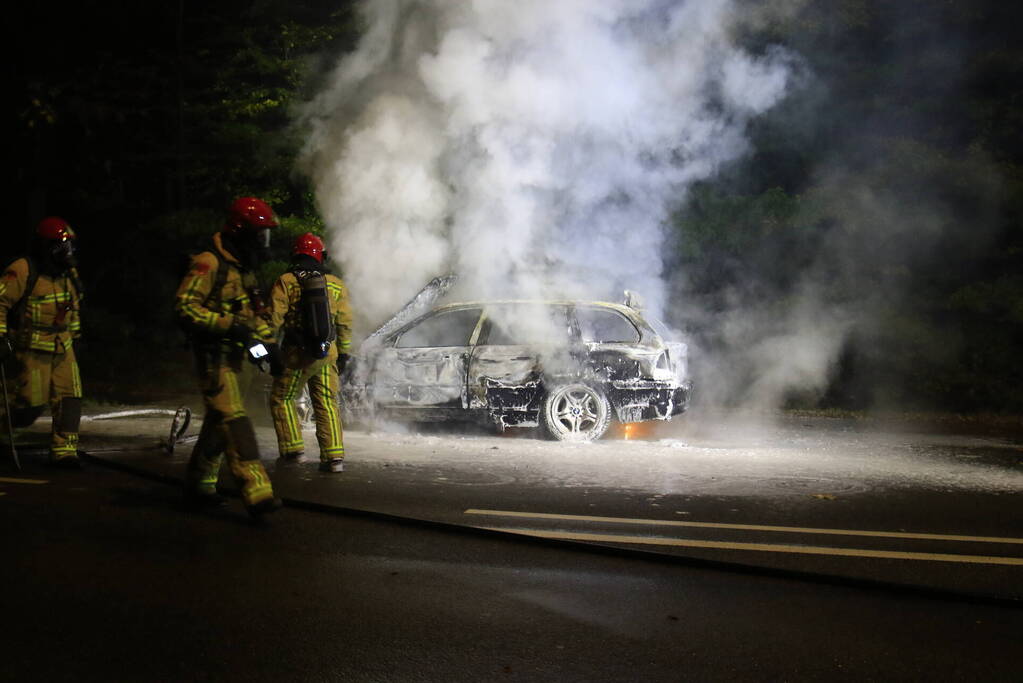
x=575 y=412
x=303 y=405
x=304 y=408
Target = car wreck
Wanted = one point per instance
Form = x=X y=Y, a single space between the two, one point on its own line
x=568 y=367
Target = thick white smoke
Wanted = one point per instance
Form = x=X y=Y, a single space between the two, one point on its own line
x=532 y=147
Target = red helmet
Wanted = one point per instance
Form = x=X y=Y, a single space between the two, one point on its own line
x=250 y=213
x=55 y=229
x=310 y=245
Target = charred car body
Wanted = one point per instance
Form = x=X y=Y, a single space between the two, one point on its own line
x=567 y=366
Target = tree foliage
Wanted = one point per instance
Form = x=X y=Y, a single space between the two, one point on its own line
x=889 y=182
x=139 y=123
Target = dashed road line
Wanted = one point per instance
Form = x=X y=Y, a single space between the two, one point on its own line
x=746 y=527
x=17 y=480
x=764 y=547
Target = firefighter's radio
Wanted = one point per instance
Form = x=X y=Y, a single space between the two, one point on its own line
x=258 y=352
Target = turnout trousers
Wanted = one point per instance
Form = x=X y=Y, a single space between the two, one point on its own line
x=50 y=378
x=324 y=386
x=226 y=429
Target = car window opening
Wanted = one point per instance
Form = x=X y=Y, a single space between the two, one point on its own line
x=524 y=325
x=606 y=326
x=448 y=328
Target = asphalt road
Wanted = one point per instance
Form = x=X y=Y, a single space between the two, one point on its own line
x=825 y=496
x=109 y=577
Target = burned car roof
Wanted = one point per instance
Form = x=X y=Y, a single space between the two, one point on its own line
x=621 y=308
x=634 y=315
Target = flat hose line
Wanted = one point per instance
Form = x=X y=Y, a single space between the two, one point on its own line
x=601 y=549
x=143 y=412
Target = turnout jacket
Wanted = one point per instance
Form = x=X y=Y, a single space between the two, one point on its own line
x=287 y=318
x=50 y=320
x=209 y=314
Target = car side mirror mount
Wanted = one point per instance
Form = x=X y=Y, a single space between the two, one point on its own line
x=633 y=300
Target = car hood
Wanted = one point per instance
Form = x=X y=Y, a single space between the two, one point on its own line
x=416 y=306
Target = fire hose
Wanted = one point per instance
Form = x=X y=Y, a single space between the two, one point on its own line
x=7 y=414
x=179 y=425
x=182 y=418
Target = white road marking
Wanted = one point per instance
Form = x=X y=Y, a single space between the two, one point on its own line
x=765 y=547
x=747 y=527
x=13 y=480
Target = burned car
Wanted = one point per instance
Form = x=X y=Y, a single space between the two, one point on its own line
x=569 y=367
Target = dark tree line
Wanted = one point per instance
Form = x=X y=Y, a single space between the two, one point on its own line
x=139 y=122
x=890 y=180
x=890 y=183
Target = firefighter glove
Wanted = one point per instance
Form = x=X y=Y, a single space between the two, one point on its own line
x=240 y=333
x=275 y=360
x=342 y=362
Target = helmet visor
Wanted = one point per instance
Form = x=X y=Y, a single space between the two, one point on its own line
x=263 y=237
x=64 y=251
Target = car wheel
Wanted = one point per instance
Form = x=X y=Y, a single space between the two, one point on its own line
x=303 y=405
x=304 y=408
x=575 y=412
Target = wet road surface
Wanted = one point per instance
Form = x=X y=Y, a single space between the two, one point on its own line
x=111 y=578
x=824 y=496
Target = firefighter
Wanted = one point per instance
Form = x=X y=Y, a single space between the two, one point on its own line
x=311 y=311
x=40 y=299
x=219 y=304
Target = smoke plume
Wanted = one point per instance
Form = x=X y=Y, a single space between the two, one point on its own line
x=533 y=148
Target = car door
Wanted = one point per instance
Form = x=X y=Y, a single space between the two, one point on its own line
x=424 y=366
x=518 y=340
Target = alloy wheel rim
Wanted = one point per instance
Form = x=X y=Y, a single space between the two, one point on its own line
x=575 y=410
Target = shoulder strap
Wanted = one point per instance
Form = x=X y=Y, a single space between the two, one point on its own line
x=30 y=281
x=77 y=281
x=17 y=311
x=219 y=279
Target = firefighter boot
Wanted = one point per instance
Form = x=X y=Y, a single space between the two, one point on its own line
x=333 y=465
x=243 y=457
x=291 y=458
x=264 y=507
x=204 y=465
x=64 y=439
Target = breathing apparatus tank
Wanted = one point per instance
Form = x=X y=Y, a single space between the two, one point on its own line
x=317 y=327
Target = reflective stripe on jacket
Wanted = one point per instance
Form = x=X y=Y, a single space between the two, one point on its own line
x=51 y=318
x=214 y=315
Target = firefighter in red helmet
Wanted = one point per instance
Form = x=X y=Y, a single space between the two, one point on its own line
x=221 y=307
x=312 y=315
x=40 y=300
